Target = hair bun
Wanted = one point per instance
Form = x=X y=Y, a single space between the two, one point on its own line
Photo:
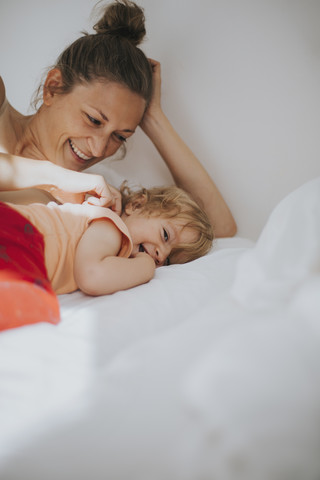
x=123 y=18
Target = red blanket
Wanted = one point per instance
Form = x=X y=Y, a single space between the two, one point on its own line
x=26 y=295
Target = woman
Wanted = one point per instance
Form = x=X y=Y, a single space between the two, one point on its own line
x=100 y=90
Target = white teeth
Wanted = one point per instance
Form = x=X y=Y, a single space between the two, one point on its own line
x=78 y=152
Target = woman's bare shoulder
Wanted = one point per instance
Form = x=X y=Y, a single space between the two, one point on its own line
x=2 y=92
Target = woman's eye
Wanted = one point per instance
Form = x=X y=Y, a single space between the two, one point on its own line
x=120 y=137
x=94 y=120
x=165 y=235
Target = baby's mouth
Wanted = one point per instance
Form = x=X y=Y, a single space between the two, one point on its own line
x=78 y=152
x=141 y=248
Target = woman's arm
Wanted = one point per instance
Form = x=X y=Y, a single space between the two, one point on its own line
x=18 y=173
x=184 y=166
x=98 y=270
x=2 y=92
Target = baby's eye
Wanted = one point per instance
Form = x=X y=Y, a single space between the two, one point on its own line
x=120 y=137
x=93 y=120
x=167 y=262
x=165 y=235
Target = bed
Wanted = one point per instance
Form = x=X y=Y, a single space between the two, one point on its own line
x=210 y=371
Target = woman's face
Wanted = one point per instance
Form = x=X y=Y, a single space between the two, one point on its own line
x=89 y=124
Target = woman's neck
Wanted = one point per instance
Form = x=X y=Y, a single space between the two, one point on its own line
x=28 y=138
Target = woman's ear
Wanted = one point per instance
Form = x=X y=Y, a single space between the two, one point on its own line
x=51 y=85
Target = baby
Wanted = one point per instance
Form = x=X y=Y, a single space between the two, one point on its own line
x=55 y=249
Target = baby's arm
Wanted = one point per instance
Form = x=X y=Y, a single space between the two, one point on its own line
x=98 y=270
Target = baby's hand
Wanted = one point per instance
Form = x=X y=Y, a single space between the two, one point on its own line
x=147 y=263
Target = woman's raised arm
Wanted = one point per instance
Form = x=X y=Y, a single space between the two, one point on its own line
x=184 y=166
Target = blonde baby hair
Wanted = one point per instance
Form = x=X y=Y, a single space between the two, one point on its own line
x=174 y=202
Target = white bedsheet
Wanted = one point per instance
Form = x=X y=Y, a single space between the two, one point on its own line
x=210 y=371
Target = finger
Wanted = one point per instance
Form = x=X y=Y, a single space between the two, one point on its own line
x=154 y=65
x=103 y=195
x=153 y=61
x=117 y=200
x=95 y=201
x=117 y=205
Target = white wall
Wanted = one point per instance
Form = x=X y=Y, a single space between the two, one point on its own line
x=240 y=83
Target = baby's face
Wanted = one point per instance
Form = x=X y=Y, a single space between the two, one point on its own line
x=156 y=235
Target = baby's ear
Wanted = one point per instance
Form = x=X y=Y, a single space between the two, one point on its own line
x=135 y=204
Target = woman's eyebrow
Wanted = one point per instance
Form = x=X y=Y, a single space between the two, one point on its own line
x=103 y=116
x=107 y=120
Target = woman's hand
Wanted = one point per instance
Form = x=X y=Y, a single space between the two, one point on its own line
x=17 y=173
x=110 y=197
x=74 y=187
x=154 y=106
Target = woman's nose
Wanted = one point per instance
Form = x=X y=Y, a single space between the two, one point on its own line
x=98 y=145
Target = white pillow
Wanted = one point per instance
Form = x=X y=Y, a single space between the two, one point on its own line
x=286 y=253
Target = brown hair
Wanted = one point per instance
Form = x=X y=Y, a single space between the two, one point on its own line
x=109 y=54
x=173 y=202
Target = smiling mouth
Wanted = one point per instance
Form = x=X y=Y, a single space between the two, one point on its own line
x=80 y=155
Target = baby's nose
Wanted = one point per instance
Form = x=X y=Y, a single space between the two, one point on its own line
x=161 y=256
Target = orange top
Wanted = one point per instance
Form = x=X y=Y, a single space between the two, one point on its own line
x=62 y=226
